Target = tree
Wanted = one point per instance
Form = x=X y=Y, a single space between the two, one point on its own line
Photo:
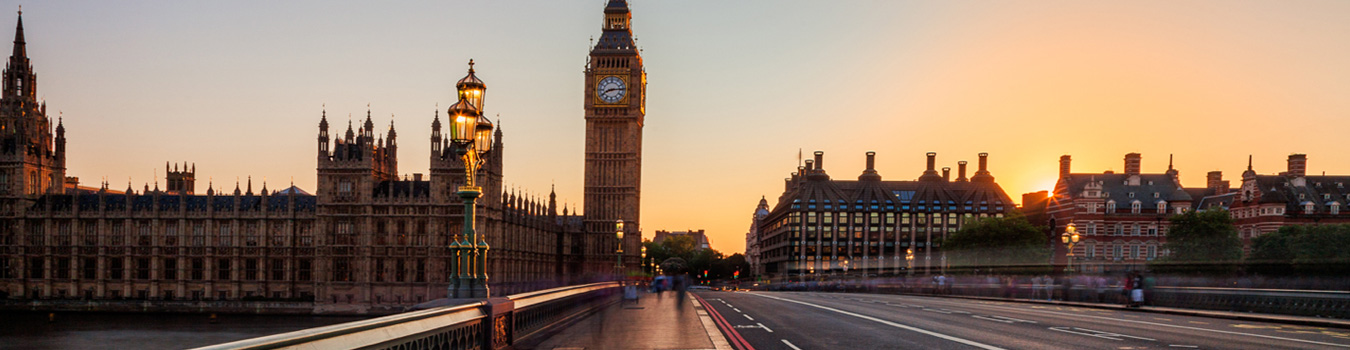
x=1302 y=248
x=1201 y=242
x=999 y=245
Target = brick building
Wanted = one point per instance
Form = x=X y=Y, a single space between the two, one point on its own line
x=1121 y=217
x=1264 y=203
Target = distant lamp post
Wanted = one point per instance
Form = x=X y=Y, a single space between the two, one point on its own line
x=643 y=261
x=471 y=136
x=1070 y=238
x=618 y=254
x=909 y=261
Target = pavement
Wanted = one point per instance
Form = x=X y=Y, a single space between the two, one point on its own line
x=804 y=320
x=668 y=320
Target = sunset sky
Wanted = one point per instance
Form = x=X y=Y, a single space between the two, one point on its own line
x=736 y=88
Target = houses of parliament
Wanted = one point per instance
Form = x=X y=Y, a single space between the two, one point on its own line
x=369 y=239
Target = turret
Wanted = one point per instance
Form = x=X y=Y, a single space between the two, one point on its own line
x=323 y=135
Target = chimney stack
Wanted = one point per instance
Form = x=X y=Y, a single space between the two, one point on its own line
x=820 y=160
x=946 y=173
x=1132 y=161
x=961 y=171
x=982 y=175
x=1298 y=164
x=1064 y=166
x=870 y=174
x=810 y=166
x=1214 y=181
x=931 y=173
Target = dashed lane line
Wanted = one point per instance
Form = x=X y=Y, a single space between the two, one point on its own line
x=1038 y=310
x=888 y=323
x=789 y=344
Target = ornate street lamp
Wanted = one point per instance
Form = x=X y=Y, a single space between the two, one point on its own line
x=643 y=261
x=471 y=136
x=618 y=254
x=909 y=261
x=1070 y=238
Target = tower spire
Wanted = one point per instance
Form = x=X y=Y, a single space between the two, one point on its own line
x=20 y=50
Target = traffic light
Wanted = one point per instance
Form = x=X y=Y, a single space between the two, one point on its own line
x=705 y=273
x=736 y=275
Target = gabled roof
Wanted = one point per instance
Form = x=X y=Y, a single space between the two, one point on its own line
x=1116 y=187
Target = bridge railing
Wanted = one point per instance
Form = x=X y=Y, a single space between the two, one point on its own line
x=494 y=323
x=1333 y=304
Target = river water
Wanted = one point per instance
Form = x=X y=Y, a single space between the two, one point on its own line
x=33 y=330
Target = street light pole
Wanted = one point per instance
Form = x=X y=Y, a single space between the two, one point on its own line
x=618 y=254
x=1070 y=238
x=471 y=136
x=909 y=261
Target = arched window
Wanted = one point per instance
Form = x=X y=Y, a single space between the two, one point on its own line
x=1162 y=207
x=1134 y=207
x=1335 y=208
x=1110 y=206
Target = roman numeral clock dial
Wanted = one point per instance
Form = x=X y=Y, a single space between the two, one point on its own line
x=611 y=89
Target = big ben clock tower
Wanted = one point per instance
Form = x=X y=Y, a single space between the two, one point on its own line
x=616 y=96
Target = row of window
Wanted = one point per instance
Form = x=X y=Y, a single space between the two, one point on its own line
x=1121 y=251
x=1122 y=229
x=61 y=234
x=169 y=269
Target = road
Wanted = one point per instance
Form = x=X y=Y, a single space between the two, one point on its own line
x=802 y=321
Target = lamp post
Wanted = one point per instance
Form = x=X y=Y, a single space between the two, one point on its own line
x=643 y=261
x=1070 y=238
x=618 y=254
x=471 y=136
x=909 y=261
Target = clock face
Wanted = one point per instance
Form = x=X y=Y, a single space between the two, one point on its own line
x=611 y=89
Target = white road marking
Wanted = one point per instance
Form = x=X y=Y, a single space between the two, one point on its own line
x=1183 y=346
x=737 y=310
x=789 y=344
x=1012 y=319
x=1066 y=330
x=748 y=317
x=1167 y=325
x=761 y=325
x=941 y=311
x=991 y=319
x=888 y=323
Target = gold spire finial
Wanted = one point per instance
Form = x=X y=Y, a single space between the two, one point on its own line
x=470 y=66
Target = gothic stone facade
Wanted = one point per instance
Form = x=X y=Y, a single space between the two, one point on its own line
x=368 y=239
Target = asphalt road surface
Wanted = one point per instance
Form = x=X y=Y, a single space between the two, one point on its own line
x=803 y=321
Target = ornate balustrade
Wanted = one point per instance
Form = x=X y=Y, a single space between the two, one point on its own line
x=494 y=323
